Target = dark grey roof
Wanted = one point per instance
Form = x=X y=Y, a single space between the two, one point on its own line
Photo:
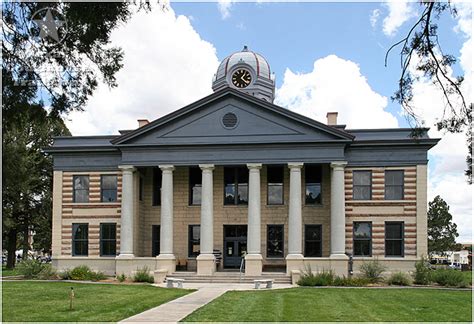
x=83 y=143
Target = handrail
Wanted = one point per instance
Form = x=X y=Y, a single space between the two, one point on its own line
x=242 y=266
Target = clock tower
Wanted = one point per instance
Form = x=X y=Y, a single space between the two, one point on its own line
x=246 y=71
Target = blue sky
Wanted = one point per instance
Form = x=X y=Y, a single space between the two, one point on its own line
x=326 y=57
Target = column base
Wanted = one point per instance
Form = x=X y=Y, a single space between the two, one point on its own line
x=166 y=262
x=206 y=264
x=339 y=256
x=124 y=264
x=294 y=262
x=253 y=265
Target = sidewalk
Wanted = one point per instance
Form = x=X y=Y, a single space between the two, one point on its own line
x=177 y=309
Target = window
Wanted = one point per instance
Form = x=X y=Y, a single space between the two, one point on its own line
x=362 y=237
x=362 y=185
x=275 y=185
x=108 y=188
x=312 y=241
x=155 y=239
x=313 y=175
x=141 y=185
x=81 y=188
x=394 y=239
x=156 y=187
x=194 y=240
x=394 y=184
x=108 y=239
x=275 y=234
x=236 y=185
x=80 y=239
x=195 y=186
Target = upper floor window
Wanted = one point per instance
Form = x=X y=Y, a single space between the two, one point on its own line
x=275 y=185
x=156 y=199
x=194 y=240
x=195 y=186
x=275 y=235
x=81 y=188
x=313 y=176
x=394 y=239
x=236 y=181
x=80 y=239
x=362 y=185
x=108 y=188
x=108 y=239
x=362 y=239
x=394 y=184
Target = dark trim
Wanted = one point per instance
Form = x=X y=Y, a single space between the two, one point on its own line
x=190 y=245
x=320 y=242
x=305 y=165
x=403 y=184
x=102 y=187
x=74 y=188
x=370 y=185
x=190 y=189
x=101 y=239
x=402 y=239
x=369 y=239
x=155 y=234
x=282 y=185
x=73 y=240
x=282 y=239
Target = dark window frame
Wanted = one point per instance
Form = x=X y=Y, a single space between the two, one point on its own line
x=192 y=242
x=401 y=240
x=74 y=190
x=74 y=240
x=156 y=192
x=282 y=241
x=306 y=226
x=354 y=172
x=307 y=183
x=141 y=187
x=102 y=239
x=275 y=184
x=192 y=184
x=402 y=185
x=102 y=189
x=354 y=239
x=236 y=186
x=155 y=240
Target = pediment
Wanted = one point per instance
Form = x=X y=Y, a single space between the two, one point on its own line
x=252 y=122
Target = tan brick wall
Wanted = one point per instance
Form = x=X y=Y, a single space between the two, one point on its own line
x=94 y=212
x=378 y=210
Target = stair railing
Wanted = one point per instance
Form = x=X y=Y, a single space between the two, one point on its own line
x=242 y=266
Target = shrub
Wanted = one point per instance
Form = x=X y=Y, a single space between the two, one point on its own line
x=47 y=273
x=82 y=272
x=30 y=268
x=449 y=278
x=143 y=275
x=308 y=278
x=372 y=270
x=399 y=279
x=121 y=278
x=422 y=272
x=350 y=282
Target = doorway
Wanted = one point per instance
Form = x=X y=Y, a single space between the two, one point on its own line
x=235 y=245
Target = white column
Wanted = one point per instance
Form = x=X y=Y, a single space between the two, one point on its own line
x=295 y=226
x=166 y=259
x=338 y=214
x=206 y=259
x=126 y=226
x=253 y=259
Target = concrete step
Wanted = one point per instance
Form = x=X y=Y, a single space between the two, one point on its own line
x=231 y=277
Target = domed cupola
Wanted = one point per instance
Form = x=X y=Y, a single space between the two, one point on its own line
x=246 y=71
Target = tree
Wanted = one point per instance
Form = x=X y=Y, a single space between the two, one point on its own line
x=53 y=57
x=442 y=232
x=421 y=56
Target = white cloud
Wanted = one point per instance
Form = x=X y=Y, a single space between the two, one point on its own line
x=374 y=17
x=224 y=7
x=335 y=84
x=399 y=13
x=166 y=66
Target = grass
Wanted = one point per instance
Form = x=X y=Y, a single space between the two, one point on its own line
x=9 y=272
x=336 y=304
x=29 y=301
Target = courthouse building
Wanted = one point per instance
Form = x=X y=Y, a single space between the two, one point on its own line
x=234 y=177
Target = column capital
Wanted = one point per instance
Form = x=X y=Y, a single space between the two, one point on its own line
x=254 y=166
x=295 y=165
x=166 y=167
x=208 y=167
x=129 y=168
x=338 y=164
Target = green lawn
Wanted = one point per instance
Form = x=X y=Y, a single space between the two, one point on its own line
x=9 y=272
x=49 y=301
x=337 y=304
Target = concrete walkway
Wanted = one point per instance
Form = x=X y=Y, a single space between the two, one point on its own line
x=177 y=309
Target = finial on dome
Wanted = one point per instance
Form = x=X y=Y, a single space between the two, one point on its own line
x=246 y=49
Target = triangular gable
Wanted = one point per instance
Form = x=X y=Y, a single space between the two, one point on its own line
x=257 y=122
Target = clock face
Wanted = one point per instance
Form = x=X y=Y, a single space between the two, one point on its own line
x=241 y=78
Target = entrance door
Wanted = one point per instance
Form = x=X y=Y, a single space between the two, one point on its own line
x=235 y=245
